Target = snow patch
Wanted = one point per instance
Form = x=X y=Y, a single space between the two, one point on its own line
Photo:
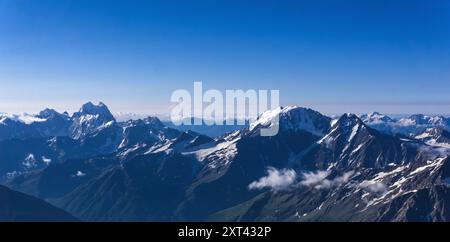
x=46 y=160
x=29 y=162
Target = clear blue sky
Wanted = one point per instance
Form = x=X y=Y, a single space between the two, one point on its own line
x=335 y=56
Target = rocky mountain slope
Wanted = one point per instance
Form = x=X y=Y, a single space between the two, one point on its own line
x=314 y=169
x=18 y=207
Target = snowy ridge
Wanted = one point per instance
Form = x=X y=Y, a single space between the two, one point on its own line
x=376 y=117
x=293 y=118
x=338 y=169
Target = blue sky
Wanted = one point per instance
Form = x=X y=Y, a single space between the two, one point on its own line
x=334 y=56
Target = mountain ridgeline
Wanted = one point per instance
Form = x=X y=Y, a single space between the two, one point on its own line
x=354 y=168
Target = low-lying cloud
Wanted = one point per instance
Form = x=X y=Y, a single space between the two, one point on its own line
x=282 y=179
x=373 y=187
x=318 y=179
x=275 y=180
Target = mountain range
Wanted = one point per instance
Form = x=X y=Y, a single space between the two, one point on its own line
x=368 y=167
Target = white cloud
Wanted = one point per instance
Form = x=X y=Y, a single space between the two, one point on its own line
x=311 y=179
x=275 y=179
x=79 y=174
x=281 y=179
x=318 y=179
x=373 y=187
x=24 y=118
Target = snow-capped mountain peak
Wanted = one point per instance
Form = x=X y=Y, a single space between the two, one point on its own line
x=435 y=136
x=348 y=119
x=376 y=117
x=420 y=119
x=153 y=121
x=51 y=113
x=266 y=117
x=348 y=125
x=411 y=126
x=293 y=118
x=100 y=110
x=89 y=119
x=415 y=119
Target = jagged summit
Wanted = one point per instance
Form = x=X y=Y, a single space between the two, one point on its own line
x=154 y=121
x=345 y=130
x=90 y=119
x=49 y=113
x=142 y=170
x=349 y=120
x=91 y=109
x=420 y=119
x=294 y=118
x=376 y=117
x=435 y=135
